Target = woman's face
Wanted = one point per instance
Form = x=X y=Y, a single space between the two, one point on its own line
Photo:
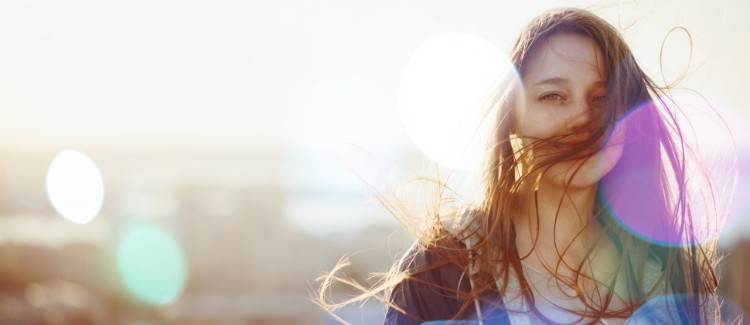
x=565 y=83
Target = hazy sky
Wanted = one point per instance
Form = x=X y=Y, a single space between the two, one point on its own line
x=255 y=73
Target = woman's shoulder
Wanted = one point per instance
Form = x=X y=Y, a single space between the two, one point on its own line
x=441 y=260
x=436 y=283
x=437 y=286
x=434 y=286
x=446 y=254
x=449 y=243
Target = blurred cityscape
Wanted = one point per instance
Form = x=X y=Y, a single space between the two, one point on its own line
x=246 y=260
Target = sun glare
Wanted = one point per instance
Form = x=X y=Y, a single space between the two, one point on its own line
x=442 y=95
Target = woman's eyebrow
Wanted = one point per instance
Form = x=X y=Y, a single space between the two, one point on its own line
x=560 y=80
x=553 y=81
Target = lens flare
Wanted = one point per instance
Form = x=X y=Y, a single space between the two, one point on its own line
x=443 y=93
x=716 y=146
x=151 y=264
x=75 y=186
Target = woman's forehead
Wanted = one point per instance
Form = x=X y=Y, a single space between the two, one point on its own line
x=568 y=56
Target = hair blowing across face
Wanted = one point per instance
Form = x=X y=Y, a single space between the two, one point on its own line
x=654 y=151
x=661 y=155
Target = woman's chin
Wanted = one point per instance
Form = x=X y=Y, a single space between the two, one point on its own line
x=584 y=173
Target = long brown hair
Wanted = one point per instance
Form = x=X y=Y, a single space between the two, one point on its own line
x=654 y=146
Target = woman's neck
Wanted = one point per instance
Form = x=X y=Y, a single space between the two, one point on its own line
x=555 y=227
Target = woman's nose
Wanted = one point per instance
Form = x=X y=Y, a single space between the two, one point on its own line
x=580 y=115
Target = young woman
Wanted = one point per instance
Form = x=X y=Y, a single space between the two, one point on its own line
x=583 y=141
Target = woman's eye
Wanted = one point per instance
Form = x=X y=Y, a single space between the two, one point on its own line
x=553 y=96
x=600 y=99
